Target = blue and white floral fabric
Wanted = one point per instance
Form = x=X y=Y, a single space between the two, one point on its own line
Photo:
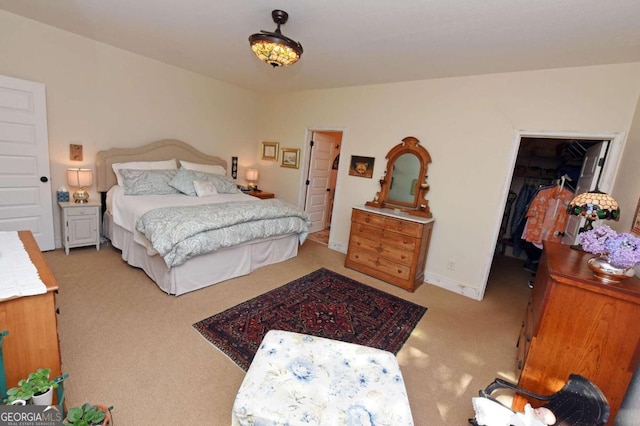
x=180 y=233
x=297 y=379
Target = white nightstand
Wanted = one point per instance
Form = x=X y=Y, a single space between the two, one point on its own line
x=80 y=224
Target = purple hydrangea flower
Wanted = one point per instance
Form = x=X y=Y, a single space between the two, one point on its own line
x=623 y=250
x=594 y=241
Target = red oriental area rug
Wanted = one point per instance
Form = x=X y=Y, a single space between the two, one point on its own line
x=324 y=304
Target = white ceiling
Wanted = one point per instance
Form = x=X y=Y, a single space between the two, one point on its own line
x=350 y=43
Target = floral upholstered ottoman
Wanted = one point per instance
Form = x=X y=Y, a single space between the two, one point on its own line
x=296 y=379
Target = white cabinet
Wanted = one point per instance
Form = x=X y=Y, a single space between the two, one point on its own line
x=80 y=224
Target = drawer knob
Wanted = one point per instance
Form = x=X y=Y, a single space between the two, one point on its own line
x=367 y=220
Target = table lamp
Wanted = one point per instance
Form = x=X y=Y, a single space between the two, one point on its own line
x=80 y=178
x=251 y=175
x=594 y=205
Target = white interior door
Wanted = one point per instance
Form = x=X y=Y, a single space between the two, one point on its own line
x=25 y=187
x=319 y=175
x=591 y=169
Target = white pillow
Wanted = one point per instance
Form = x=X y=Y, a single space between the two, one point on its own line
x=204 y=188
x=206 y=168
x=142 y=165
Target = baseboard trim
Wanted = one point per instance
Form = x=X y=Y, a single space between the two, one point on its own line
x=452 y=285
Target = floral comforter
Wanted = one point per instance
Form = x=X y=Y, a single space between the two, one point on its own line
x=180 y=233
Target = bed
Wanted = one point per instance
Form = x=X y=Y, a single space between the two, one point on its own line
x=128 y=217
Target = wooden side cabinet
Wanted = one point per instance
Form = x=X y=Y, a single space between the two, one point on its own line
x=32 y=324
x=576 y=324
x=390 y=246
x=80 y=224
x=263 y=195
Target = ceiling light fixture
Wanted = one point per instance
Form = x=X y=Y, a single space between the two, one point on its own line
x=274 y=48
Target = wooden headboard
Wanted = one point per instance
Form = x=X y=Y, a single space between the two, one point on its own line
x=165 y=149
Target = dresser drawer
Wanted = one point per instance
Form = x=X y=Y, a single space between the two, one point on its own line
x=400 y=241
x=403 y=227
x=366 y=231
x=81 y=211
x=372 y=260
x=372 y=219
x=383 y=249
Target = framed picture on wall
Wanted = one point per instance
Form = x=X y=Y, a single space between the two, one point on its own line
x=361 y=166
x=270 y=151
x=290 y=158
x=635 y=226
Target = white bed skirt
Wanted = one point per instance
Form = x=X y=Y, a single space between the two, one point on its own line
x=204 y=270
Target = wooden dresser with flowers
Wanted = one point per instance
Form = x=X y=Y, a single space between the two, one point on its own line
x=577 y=324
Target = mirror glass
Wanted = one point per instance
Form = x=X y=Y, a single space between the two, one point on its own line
x=404 y=179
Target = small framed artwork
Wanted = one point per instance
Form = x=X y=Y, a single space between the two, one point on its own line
x=635 y=226
x=270 y=151
x=361 y=166
x=290 y=158
x=75 y=152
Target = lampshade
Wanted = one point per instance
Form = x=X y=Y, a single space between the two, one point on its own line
x=594 y=205
x=274 y=48
x=80 y=178
x=251 y=175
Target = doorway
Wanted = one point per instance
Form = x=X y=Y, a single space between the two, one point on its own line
x=320 y=180
x=542 y=158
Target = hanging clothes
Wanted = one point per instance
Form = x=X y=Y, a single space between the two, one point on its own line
x=547 y=216
x=525 y=196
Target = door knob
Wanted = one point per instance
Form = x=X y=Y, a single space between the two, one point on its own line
x=44 y=179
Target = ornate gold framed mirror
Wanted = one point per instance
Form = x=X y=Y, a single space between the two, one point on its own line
x=404 y=184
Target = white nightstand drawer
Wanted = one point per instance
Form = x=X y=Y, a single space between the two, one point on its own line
x=80 y=211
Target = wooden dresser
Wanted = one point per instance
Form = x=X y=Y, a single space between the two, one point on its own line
x=576 y=324
x=32 y=324
x=388 y=245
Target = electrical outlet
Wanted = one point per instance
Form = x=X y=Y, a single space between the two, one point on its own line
x=451 y=264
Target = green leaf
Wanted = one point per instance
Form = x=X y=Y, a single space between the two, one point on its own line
x=75 y=414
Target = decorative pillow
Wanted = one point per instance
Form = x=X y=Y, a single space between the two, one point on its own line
x=142 y=165
x=223 y=184
x=206 y=168
x=183 y=182
x=205 y=188
x=148 y=182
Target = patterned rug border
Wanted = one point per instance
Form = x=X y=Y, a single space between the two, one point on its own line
x=299 y=285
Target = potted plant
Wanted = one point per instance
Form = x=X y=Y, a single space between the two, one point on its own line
x=88 y=415
x=19 y=395
x=42 y=386
x=37 y=387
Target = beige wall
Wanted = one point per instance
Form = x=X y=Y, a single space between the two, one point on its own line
x=104 y=97
x=469 y=126
x=626 y=189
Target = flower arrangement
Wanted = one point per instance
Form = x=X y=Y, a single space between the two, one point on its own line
x=622 y=250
